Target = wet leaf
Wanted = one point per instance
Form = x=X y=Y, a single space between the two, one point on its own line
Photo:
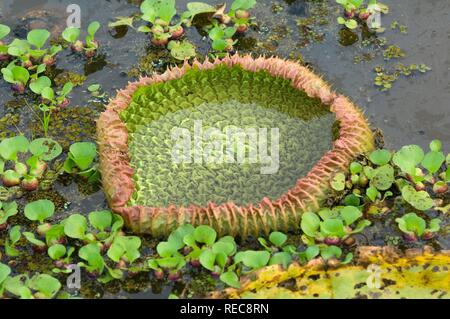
x=408 y=157
x=75 y=226
x=39 y=210
x=338 y=182
x=380 y=157
x=420 y=200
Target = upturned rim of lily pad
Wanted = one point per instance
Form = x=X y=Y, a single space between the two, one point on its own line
x=284 y=213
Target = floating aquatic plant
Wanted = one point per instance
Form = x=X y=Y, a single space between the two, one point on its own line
x=266 y=86
x=414 y=226
x=358 y=12
x=333 y=226
x=90 y=46
x=26 y=173
x=161 y=15
x=6 y=211
x=81 y=160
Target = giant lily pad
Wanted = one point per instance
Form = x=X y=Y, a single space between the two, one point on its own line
x=165 y=158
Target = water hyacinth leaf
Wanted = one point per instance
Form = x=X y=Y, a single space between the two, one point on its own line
x=216 y=33
x=100 y=219
x=39 y=210
x=71 y=34
x=350 y=214
x=205 y=234
x=32 y=239
x=83 y=154
x=189 y=240
x=277 y=238
x=411 y=224
x=122 y=21
x=163 y=9
x=8 y=76
x=230 y=240
x=348 y=258
x=117 y=223
x=4 y=272
x=112 y=274
x=332 y=227
x=91 y=254
x=312 y=252
x=383 y=177
x=433 y=161
x=338 y=182
x=351 y=24
x=368 y=171
x=18 y=47
x=242 y=4
x=93 y=27
x=39 y=84
x=360 y=226
x=177 y=236
x=264 y=243
x=380 y=157
x=328 y=252
x=223 y=247
x=172 y=262
x=355 y=168
x=207 y=259
x=56 y=251
x=230 y=278
x=420 y=200
x=38 y=37
x=219 y=45
x=67 y=88
x=281 y=258
x=54 y=234
x=310 y=224
x=54 y=49
x=16 y=286
x=435 y=145
x=20 y=74
x=4 y=31
x=327 y=213
x=128 y=246
x=9 y=147
x=408 y=157
x=94 y=87
x=144 y=29
x=7 y=210
x=45 y=148
x=15 y=234
x=199 y=8
x=48 y=93
x=75 y=226
x=434 y=225
x=372 y=193
x=255 y=259
x=352 y=200
x=221 y=259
